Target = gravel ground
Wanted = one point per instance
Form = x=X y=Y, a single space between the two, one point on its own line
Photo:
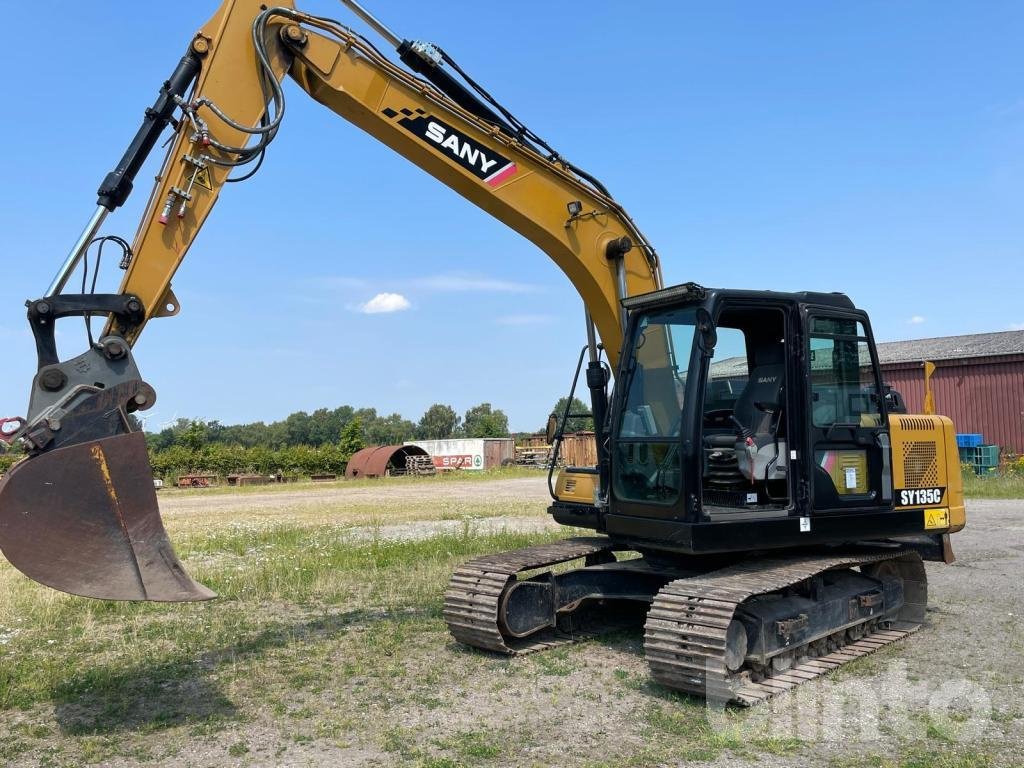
x=950 y=696
x=957 y=681
x=387 y=494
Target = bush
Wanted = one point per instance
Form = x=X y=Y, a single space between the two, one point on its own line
x=8 y=459
x=217 y=459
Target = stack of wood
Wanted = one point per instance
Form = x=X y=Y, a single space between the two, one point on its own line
x=533 y=455
x=419 y=465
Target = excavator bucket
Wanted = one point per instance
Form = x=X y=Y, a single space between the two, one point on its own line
x=84 y=519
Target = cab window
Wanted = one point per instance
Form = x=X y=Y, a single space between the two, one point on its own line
x=843 y=390
x=647 y=460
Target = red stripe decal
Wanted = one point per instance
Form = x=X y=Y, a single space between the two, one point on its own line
x=499 y=176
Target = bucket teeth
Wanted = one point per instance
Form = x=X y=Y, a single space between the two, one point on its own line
x=84 y=519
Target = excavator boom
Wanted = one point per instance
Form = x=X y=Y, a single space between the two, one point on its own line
x=80 y=513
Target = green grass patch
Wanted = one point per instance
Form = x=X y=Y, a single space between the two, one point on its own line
x=993 y=486
x=107 y=663
x=917 y=756
x=474 y=746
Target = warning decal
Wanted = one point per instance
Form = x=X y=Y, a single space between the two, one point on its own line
x=202 y=178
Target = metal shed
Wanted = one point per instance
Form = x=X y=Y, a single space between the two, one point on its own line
x=978 y=381
x=382 y=460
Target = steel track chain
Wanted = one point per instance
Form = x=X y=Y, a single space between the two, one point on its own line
x=473 y=600
x=684 y=637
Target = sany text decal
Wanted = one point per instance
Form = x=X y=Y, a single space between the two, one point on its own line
x=486 y=164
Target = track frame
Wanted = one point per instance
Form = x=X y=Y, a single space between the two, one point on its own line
x=685 y=634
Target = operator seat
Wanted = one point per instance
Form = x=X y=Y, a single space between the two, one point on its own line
x=764 y=386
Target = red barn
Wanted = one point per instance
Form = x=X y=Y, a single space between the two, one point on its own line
x=978 y=381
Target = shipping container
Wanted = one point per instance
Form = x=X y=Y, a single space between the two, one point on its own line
x=469 y=453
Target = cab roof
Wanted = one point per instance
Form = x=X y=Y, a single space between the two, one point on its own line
x=688 y=293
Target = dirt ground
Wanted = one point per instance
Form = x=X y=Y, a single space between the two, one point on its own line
x=384 y=495
x=361 y=688
x=391 y=509
x=905 y=698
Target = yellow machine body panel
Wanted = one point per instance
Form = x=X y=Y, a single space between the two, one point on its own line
x=576 y=485
x=926 y=470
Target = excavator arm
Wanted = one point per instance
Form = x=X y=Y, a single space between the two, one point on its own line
x=80 y=513
x=578 y=225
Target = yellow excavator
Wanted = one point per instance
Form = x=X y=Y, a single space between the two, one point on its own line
x=759 y=502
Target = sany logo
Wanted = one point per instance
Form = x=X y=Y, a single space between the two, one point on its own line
x=487 y=165
x=465 y=151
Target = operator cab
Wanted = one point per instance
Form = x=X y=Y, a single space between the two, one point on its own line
x=743 y=414
x=747 y=407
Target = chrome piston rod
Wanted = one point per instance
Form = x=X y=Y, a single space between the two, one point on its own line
x=592 y=351
x=61 y=278
x=373 y=21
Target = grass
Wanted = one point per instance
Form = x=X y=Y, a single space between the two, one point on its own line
x=277 y=587
x=920 y=757
x=306 y=610
x=328 y=636
x=995 y=486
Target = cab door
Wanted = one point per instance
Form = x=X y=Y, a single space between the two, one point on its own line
x=849 y=455
x=652 y=391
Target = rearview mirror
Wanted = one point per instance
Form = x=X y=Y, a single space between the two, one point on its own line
x=552 y=429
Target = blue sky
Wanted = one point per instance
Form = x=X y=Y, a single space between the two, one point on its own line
x=872 y=147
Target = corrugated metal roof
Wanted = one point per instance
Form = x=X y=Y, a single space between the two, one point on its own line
x=952 y=347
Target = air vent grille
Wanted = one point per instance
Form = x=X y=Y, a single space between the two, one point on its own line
x=920 y=468
x=922 y=425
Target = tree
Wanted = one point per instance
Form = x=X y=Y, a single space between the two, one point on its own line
x=194 y=436
x=439 y=422
x=389 y=430
x=157 y=441
x=483 y=421
x=297 y=427
x=351 y=438
x=577 y=424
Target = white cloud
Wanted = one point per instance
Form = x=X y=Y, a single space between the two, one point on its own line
x=385 y=302
x=1016 y=327
x=469 y=283
x=524 y=319
x=916 y=320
